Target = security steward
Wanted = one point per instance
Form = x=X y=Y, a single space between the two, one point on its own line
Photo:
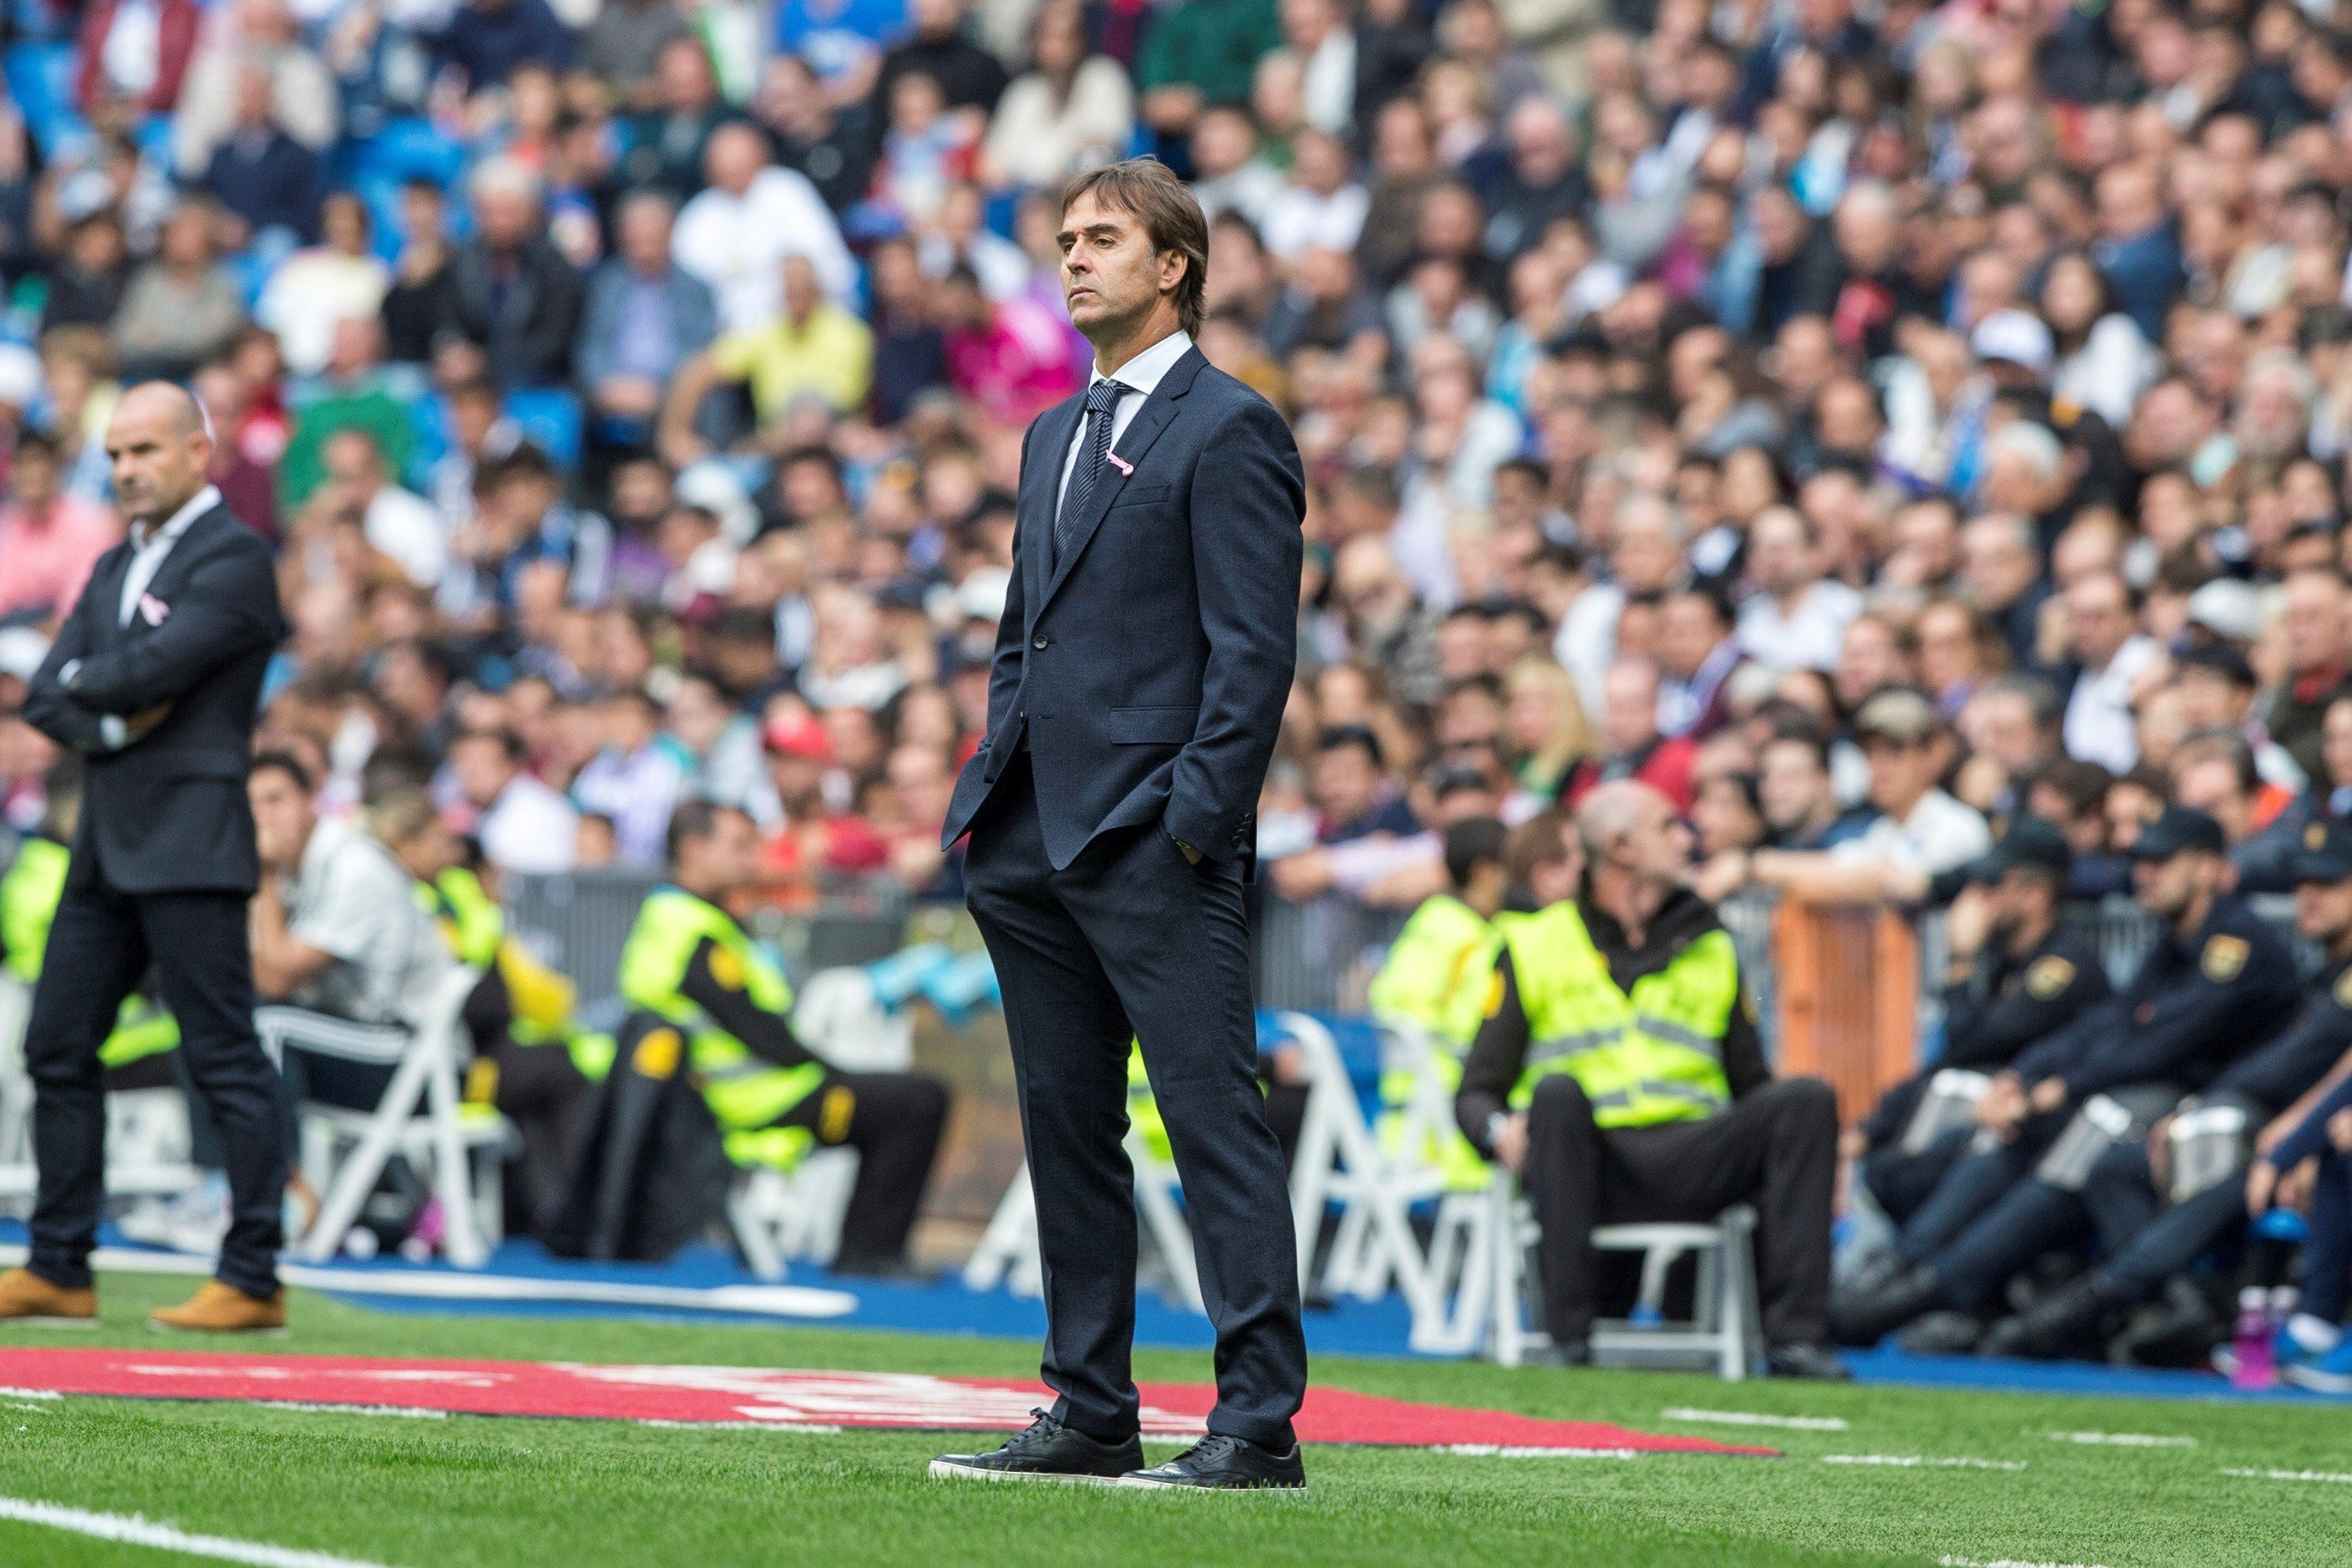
x=1618 y=1071
x=1434 y=981
x=2159 y=1205
x=2016 y=974
x=2219 y=980
x=137 y=1055
x=688 y=960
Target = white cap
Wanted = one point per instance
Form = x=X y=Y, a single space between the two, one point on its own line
x=2230 y=608
x=981 y=596
x=2018 y=336
x=712 y=486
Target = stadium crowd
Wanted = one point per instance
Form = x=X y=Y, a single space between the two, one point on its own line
x=635 y=392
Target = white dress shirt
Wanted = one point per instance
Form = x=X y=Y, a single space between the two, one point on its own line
x=737 y=245
x=1141 y=376
x=149 y=545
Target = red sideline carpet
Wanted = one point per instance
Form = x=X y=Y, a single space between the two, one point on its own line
x=823 y=1400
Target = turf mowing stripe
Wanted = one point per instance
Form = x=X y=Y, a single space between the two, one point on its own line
x=2290 y=1475
x=1752 y=1418
x=2122 y=1439
x=133 y=1530
x=1922 y=1461
x=2004 y=1563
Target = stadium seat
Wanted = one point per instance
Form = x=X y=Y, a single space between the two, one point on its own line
x=1007 y=1255
x=551 y=418
x=41 y=80
x=783 y=1216
x=420 y=1116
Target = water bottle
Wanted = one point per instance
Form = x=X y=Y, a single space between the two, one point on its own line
x=2253 y=1366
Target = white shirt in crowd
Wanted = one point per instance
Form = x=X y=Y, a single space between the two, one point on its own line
x=2099 y=726
x=404 y=526
x=1941 y=834
x=530 y=828
x=352 y=901
x=737 y=245
x=1808 y=637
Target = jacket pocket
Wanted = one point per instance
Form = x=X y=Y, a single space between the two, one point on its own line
x=1140 y=495
x=1152 y=726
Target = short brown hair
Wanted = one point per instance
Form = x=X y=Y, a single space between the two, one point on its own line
x=1147 y=190
x=1541 y=840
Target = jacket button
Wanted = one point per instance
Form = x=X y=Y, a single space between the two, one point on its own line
x=1039 y=642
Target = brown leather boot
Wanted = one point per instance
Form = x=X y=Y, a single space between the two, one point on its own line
x=217 y=1308
x=26 y=1298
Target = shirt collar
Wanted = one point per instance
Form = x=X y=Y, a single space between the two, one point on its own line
x=178 y=522
x=1144 y=372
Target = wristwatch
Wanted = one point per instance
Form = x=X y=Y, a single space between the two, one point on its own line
x=1495 y=1122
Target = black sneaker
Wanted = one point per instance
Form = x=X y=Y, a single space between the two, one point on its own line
x=1219 y=1463
x=1048 y=1451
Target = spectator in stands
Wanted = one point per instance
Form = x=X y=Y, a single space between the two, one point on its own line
x=134 y=52
x=1797 y=618
x=181 y=309
x=813 y=350
x=2314 y=619
x=1007 y=354
x=486 y=40
x=812 y=839
x=2106 y=654
x=400 y=523
x=423 y=299
x=626 y=43
x=521 y=824
x=2001 y=571
x=217 y=103
x=354 y=394
x=736 y=232
x=48 y=540
x=265 y=178
x=635 y=780
x=87 y=287
x=1070 y=110
x=516 y=296
x=1697 y=652
x=645 y=319
x=323 y=284
x=670 y=138
x=1628 y=725
x=1199 y=53
x=1920 y=832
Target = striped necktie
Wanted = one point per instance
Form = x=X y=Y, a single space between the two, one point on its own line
x=1102 y=400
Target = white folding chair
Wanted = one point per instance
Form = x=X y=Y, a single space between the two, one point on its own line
x=1340 y=1160
x=16 y=1082
x=781 y=1216
x=1728 y=1328
x=419 y=1117
x=148 y=1142
x=1008 y=1253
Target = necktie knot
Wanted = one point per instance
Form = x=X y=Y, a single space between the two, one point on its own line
x=1104 y=396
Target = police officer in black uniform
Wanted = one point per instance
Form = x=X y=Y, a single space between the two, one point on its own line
x=2159 y=1206
x=2219 y=979
x=2016 y=974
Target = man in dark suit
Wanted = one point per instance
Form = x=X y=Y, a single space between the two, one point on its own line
x=1141 y=666
x=154 y=680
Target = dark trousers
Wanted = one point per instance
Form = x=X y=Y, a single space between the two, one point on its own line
x=1775 y=1146
x=2173 y=1240
x=1902 y=1183
x=2029 y=1219
x=1973 y=1185
x=893 y=1120
x=1132 y=942
x=540 y=1093
x=2327 y=1257
x=100 y=945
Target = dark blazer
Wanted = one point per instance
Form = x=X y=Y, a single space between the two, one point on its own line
x=1150 y=670
x=167 y=812
x=693 y=319
x=527 y=334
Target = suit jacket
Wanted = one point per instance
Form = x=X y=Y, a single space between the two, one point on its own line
x=527 y=335
x=1149 y=668
x=166 y=812
x=693 y=319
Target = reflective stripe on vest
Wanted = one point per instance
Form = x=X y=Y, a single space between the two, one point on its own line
x=1650 y=1056
x=745 y=1091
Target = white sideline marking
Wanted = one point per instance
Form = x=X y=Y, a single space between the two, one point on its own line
x=2291 y=1475
x=1751 y=1418
x=2122 y=1439
x=7 y=1393
x=1919 y=1461
x=816 y=1428
x=2004 y=1563
x=1511 y=1451
x=315 y=1408
x=134 y=1530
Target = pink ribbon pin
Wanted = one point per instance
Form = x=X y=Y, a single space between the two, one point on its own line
x=1121 y=464
x=152 y=608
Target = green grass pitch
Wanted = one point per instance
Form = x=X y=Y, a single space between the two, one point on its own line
x=468 y=1490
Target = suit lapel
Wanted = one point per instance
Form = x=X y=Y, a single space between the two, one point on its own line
x=1051 y=449
x=170 y=572
x=1158 y=411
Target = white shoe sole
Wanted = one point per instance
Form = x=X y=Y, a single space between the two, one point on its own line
x=49 y=1322
x=1141 y=1482
x=941 y=1469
